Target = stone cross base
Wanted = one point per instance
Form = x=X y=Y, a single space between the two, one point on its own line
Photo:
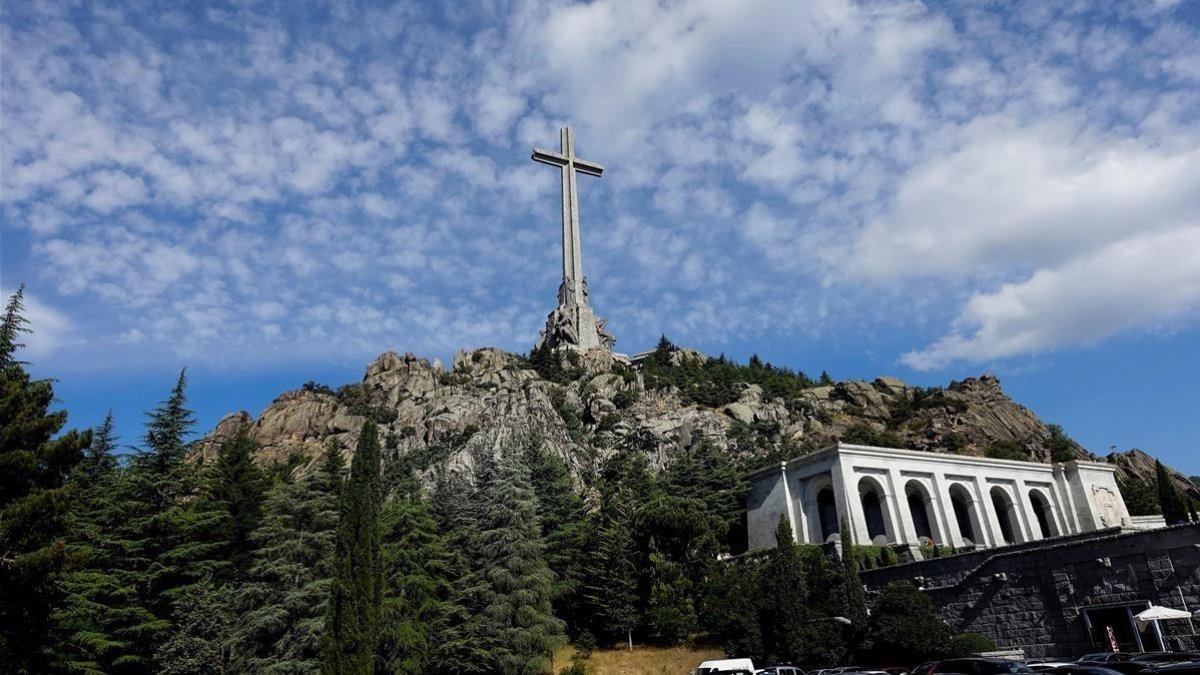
x=576 y=327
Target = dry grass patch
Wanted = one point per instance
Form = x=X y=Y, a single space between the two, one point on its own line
x=640 y=661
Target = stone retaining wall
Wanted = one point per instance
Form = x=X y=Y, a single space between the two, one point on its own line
x=1034 y=597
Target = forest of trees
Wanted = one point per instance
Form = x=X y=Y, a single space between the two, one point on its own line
x=152 y=561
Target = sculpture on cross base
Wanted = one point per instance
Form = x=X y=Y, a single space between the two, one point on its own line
x=573 y=324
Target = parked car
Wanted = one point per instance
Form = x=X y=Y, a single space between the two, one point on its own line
x=1129 y=667
x=1166 y=657
x=780 y=670
x=1104 y=657
x=1046 y=666
x=1192 y=668
x=924 y=668
x=1084 y=669
x=726 y=667
x=980 y=666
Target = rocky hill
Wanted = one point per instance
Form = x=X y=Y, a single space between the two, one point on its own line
x=585 y=407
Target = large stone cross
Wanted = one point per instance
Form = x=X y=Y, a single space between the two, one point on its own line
x=572 y=324
x=572 y=258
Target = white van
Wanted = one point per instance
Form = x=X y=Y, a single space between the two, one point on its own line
x=726 y=666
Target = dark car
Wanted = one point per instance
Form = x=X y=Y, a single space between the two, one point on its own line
x=1192 y=668
x=1128 y=667
x=1104 y=657
x=1166 y=657
x=1084 y=669
x=980 y=666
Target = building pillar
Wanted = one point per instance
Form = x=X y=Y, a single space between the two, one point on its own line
x=849 y=506
x=987 y=515
x=1025 y=508
x=947 y=533
x=788 y=504
x=906 y=532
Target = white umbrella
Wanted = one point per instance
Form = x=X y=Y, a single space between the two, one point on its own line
x=1157 y=613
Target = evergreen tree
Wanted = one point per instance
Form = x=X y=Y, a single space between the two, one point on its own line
x=414 y=578
x=904 y=622
x=732 y=595
x=236 y=488
x=516 y=617
x=826 y=380
x=352 y=631
x=165 y=533
x=283 y=605
x=204 y=627
x=92 y=626
x=35 y=503
x=1174 y=509
x=784 y=613
x=854 y=597
x=459 y=643
x=669 y=616
x=560 y=511
x=613 y=576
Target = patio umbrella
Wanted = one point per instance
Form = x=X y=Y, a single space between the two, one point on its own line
x=1158 y=613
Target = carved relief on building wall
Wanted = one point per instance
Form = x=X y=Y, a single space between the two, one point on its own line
x=1108 y=506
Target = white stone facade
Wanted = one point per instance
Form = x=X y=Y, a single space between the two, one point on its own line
x=886 y=495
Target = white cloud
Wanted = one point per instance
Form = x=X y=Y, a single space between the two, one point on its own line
x=1136 y=284
x=1017 y=197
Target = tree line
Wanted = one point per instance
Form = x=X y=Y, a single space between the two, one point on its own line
x=156 y=561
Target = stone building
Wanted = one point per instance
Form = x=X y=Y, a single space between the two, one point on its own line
x=891 y=496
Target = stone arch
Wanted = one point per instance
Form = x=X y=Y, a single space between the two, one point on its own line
x=966 y=516
x=876 y=514
x=1006 y=516
x=1043 y=514
x=821 y=504
x=920 y=508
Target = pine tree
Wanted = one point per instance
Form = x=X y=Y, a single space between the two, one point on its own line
x=93 y=623
x=204 y=627
x=414 y=563
x=669 y=616
x=459 y=643
x=904 y=622
x=784 y=615
x=283 y=605
x=236 y=488
x=517 y=619
x=561 y=512
x=352 y=630
x=613 y=576
x=166 y=535
x=1174 y=509
x=35 y=503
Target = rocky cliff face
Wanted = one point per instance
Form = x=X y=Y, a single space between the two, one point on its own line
x=490 y=398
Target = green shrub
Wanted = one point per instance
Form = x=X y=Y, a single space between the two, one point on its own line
x=1007 y=450
x=970 y=644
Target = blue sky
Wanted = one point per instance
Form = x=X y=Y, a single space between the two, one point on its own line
x=269 y=193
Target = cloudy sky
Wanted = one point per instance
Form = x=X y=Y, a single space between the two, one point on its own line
x=269 y=193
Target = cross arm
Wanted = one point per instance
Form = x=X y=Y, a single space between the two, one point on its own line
x=548 y=157
x=590 y=168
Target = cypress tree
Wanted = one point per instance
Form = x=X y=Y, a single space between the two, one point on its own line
x=1174 y=509
x=784 y=613
x=517 y=619
x=284 y=603
x=414 y=567
x=352 y=631
x=35 y=502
